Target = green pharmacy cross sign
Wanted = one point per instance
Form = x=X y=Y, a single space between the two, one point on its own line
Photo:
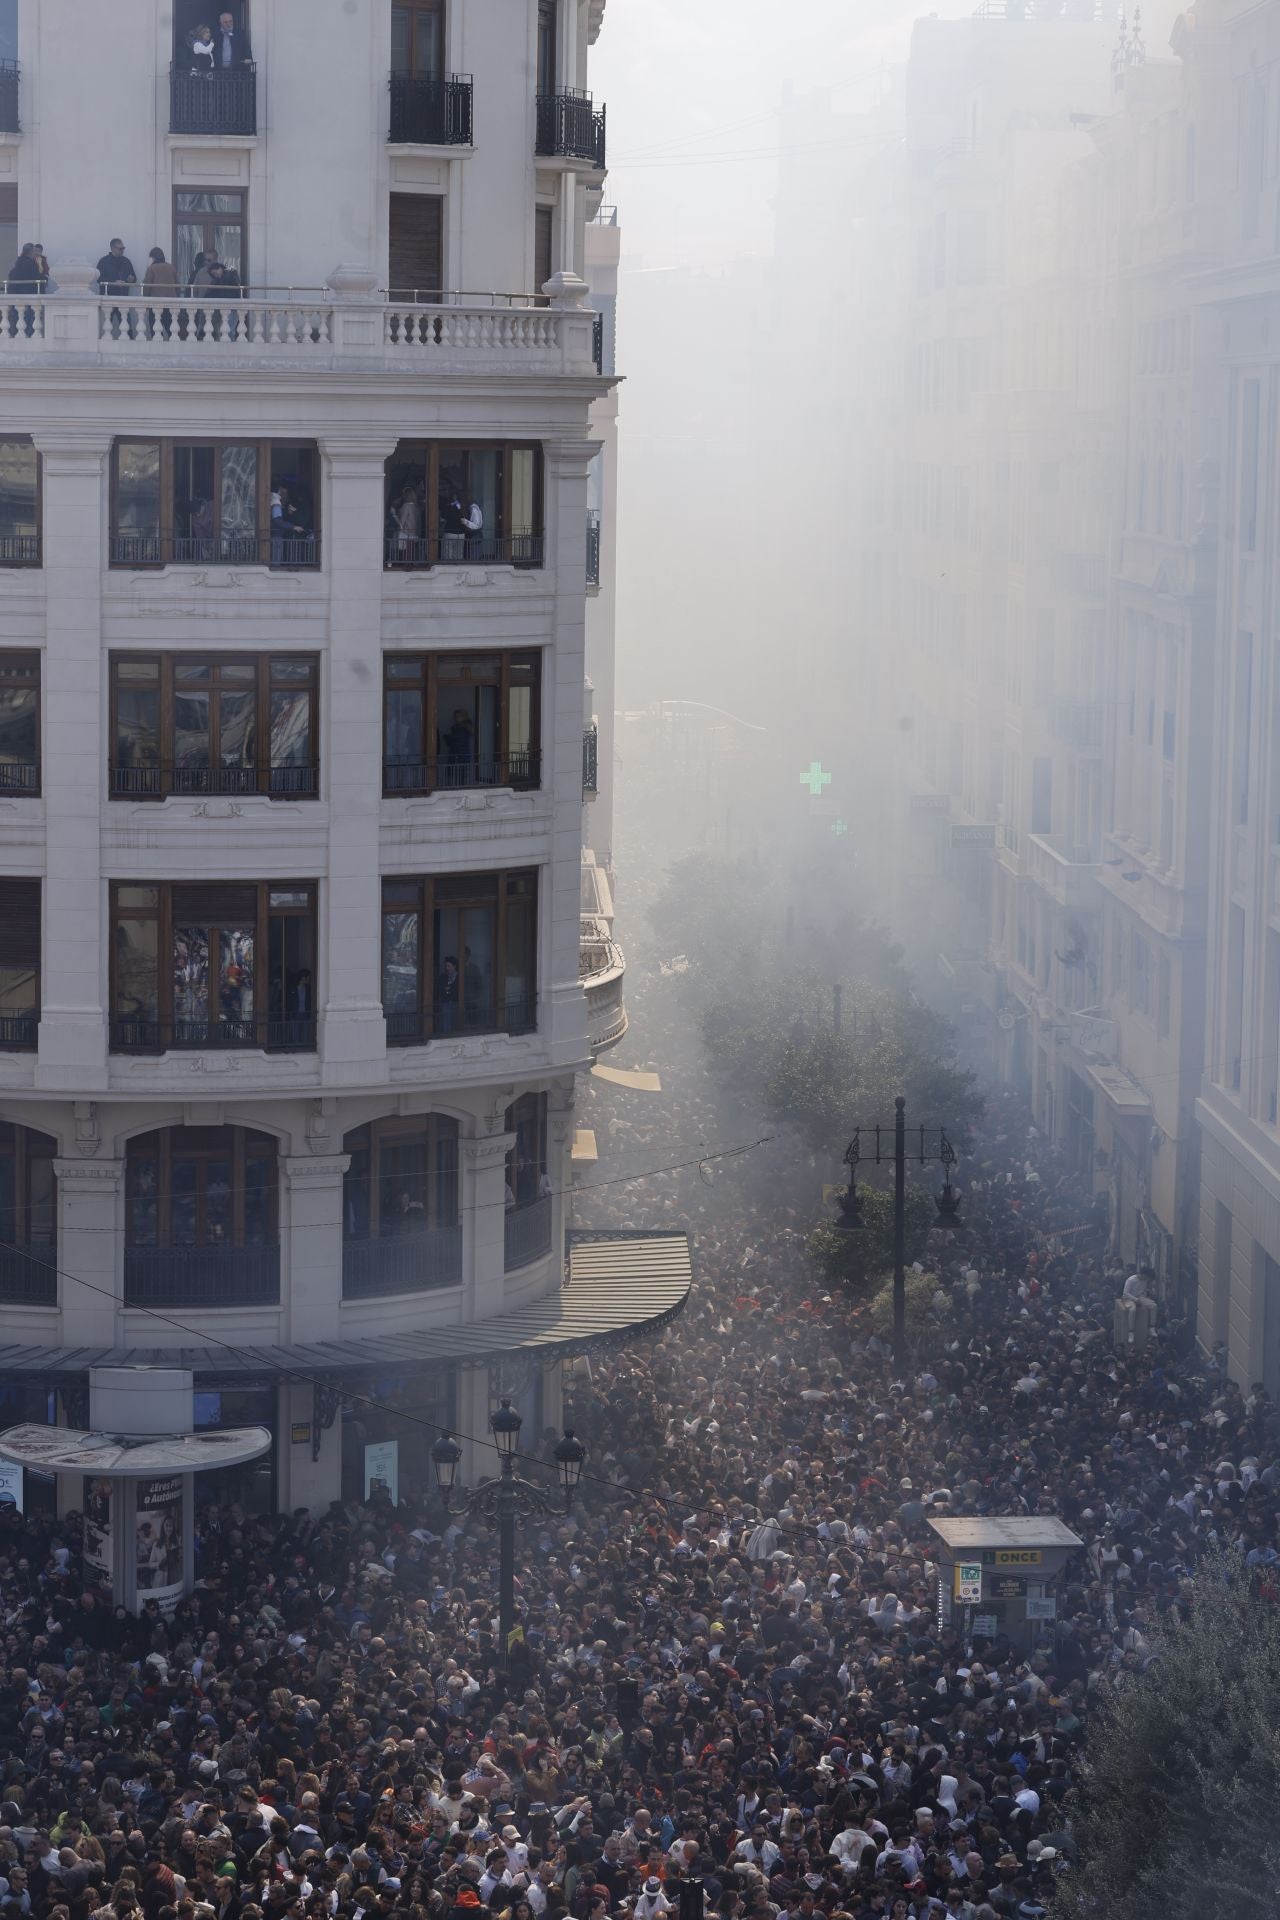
x=816 y=778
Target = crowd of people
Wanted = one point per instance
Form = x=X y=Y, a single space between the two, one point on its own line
x=731 y=1693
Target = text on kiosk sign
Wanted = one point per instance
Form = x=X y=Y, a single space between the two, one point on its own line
x=1018 y=1556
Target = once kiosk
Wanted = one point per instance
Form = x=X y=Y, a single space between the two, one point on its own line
x=1001 y=1575
x=138 y=1462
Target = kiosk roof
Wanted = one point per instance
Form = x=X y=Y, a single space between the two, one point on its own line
x=1006 y=1531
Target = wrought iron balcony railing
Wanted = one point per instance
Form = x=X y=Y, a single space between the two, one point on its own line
x=415 y=1026
x=20 y=550
x=228 y=550
x=218 y=1276
x=402 y=1263
x=29 y=1275
x=157 y=783
x=19 y=1032
x=570 y=127
x=224 y=101
x=593 y=548
x=522 y=768
x=463 y=550
x=431 y=113
x=20 y=777
x=527 y=1233
x=274 y=1033
x=590 y=761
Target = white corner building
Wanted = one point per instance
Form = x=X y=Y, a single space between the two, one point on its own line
x=293 y=600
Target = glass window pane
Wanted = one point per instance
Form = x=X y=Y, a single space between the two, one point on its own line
x=137 y=971
x=521 y=929
x=138 y=896
x=138 y=488
x=292 y=672
x=235 y=976
x=478 y=931
x=237 y=722
x=190 y=729
x=403 y=728
x=403 y=1184
x=355 y=1192
x=193 y=503
x=137 y=729
x=17 y=490
x=259 y=1187
x=227 y=241
x=401 y=959
x=191 y=976
x=18 y=728
x=142 y=1177
x=19 y=992
x=42 y=1205
x=219 y=1219
x=240 y=503
x=184 y=1201
x=523 y=491
x=291 y=729
x=290 y=985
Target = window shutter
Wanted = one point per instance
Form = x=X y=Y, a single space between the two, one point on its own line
x=417 y=245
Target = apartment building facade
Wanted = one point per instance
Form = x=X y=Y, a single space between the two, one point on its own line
x=293 y=580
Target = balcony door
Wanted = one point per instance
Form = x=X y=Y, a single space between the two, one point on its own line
x=209 y=222
x=547 y=10
x=417 y=39
x=415 y=269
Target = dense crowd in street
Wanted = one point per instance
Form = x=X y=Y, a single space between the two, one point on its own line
x=732 y=1692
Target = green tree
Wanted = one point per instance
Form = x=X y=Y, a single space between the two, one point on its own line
x=1183 y=1771
x=860 y=1261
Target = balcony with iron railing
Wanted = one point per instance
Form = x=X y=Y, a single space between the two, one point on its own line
x=29 y=1275
x=20 y=1032
x=10 y=73
x=593 y=548
x=402 y=1263
x=20 y=550
x=150 y=550
x=416 y=1026
x=272 y=1034
x=426 y=112
x=570 y=127
x=601 y=969
x=187 y=782
x=597 y=342
x=518 y=770
x=405 y=554
x=214 y=1276
x=349 y=328
x=222 y=102
x=527 y=1233
x=19 y=777
x=590 y=761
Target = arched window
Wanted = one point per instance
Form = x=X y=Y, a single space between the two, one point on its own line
x=401 y=1226
x=28 y=1217
x=528 y=1182
x=202 y=1218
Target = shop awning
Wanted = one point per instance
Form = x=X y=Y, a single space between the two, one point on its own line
x=620 y=1284
x=1124 y=1094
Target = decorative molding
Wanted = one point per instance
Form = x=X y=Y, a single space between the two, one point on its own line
x=316 y=1173
x=76 y=1173
x=88 y=1133
x=217 y=810
x=486 y=1151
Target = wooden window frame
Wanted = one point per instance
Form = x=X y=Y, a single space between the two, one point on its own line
x=21 y=1137
x=513 y=1121
x=239 y=1156
x=11 y=658
x=167 y=537
x=377 y=1134
x=422 y=1028
x=438 y=10
x=431 y=452
x=164 y=784
x=427 y=685
x=214 y=220
x=263 y=1018
x=25 y=440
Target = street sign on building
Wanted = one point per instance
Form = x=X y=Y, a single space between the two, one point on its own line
x=968 y=1582
x=975 y=835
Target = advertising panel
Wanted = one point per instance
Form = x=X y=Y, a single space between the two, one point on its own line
x=159 y=1550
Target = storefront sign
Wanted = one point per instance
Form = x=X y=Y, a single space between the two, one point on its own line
x=1007 y=1589
x=158 y=1536
x=300 y=1432
x=968 y=1582
x=382 y=1470
x=985 y=1626
x=1019 y=1557
x=1045 y=1609
x=11 y=1485
x=973 y=836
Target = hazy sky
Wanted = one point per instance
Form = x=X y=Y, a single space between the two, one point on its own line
x=693 y=93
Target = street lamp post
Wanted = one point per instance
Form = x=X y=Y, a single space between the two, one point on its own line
x=507 y=1499
x=924 y=1144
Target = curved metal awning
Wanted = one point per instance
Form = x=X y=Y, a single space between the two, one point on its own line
x=620 y=1284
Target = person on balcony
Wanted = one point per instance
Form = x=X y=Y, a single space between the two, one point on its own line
x=233 y=49
x=115 y=270
x=161 y=276
x=203 y=52
x=25 y=275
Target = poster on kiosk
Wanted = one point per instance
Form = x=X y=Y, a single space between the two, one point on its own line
x=158 y=1541
x=382 y=1470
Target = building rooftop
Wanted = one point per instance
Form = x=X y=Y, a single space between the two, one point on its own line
x=1006 y=1531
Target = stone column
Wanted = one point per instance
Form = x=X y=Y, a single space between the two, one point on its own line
x=73 y=1033
x=563 y=1013
x=90 y=1226
x=313 y=1288
x=353 y=1033
x=561 y=1110
x=484 y=1185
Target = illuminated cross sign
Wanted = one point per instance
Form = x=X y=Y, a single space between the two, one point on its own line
x=816 y=779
